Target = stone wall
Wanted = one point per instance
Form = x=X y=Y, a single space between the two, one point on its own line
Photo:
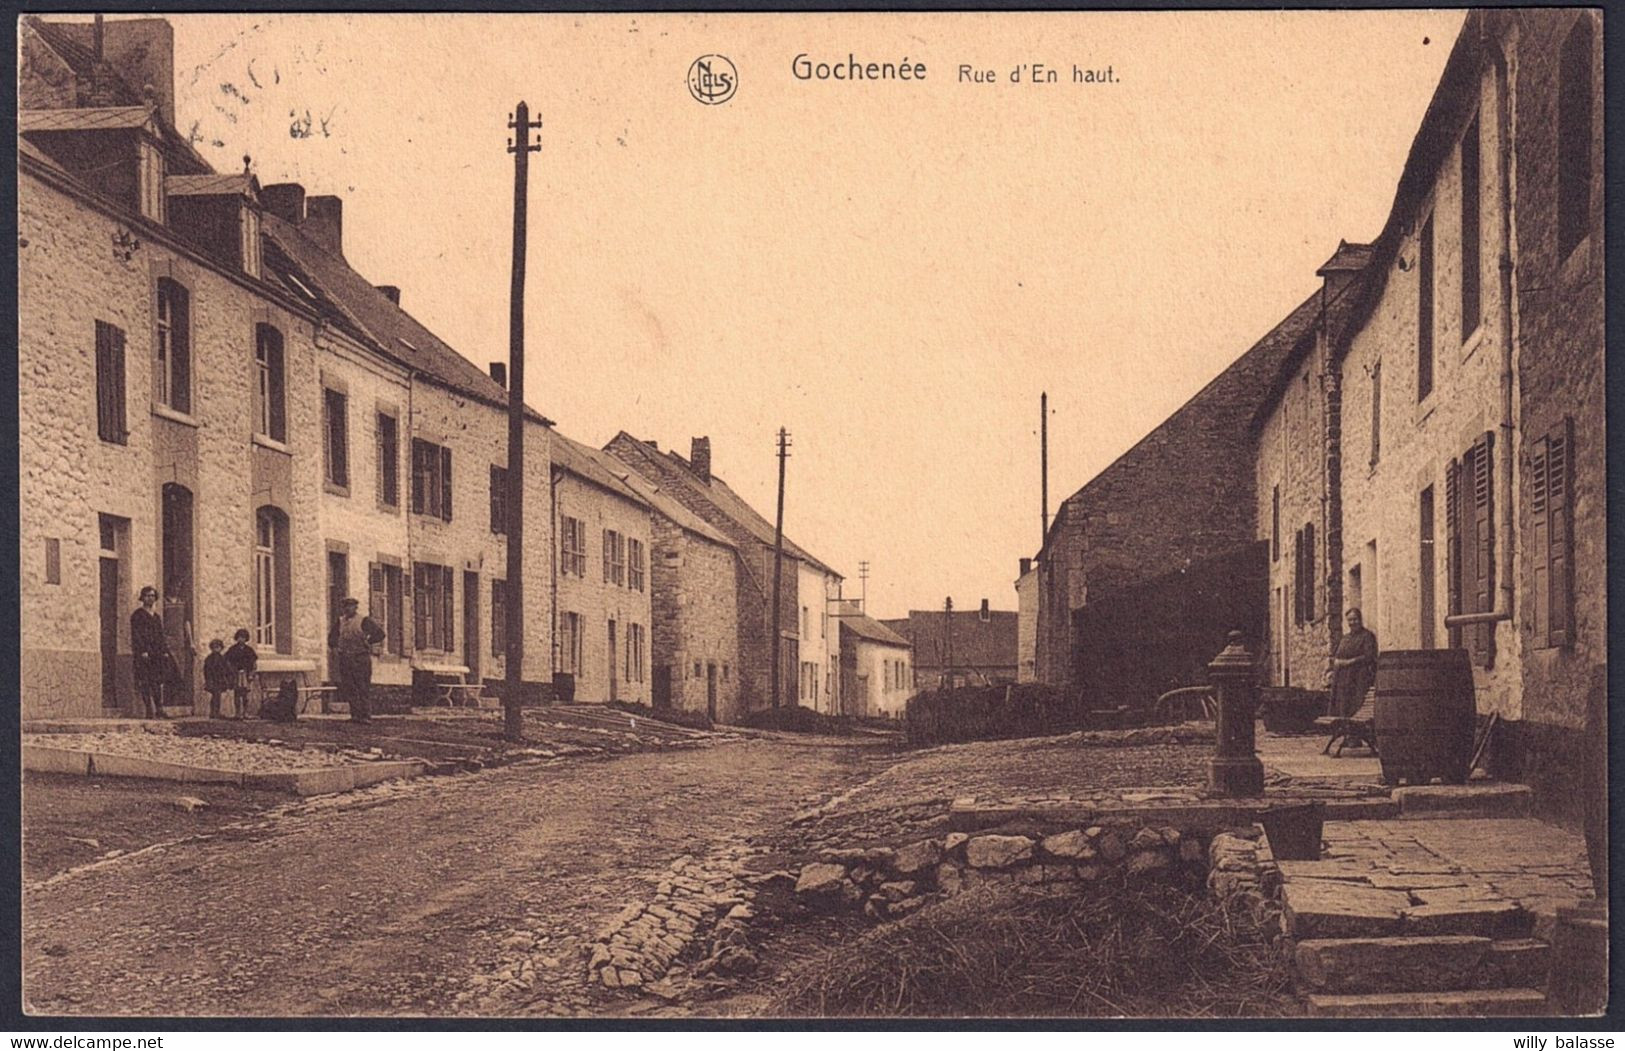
x=695 y=626
x=597 y=601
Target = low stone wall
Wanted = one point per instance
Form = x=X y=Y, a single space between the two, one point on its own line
x=1243 y=876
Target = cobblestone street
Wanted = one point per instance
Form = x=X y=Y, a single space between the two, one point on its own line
x=423 y=898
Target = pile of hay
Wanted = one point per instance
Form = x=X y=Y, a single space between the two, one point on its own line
x=1098 y=950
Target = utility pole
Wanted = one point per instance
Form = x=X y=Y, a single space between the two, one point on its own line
x=513 y=716
x=863 y=579
x=948 y=634
x=778 y=574
x=1043 y=461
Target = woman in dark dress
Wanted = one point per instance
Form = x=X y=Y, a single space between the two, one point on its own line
x=151 y=652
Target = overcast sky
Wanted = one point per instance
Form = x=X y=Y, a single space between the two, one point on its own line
x=892 y=270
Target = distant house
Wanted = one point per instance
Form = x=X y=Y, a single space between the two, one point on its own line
x=808 y=589
x=602 y=590
x=877 y=666
x=975 y=647
x=1027 y=622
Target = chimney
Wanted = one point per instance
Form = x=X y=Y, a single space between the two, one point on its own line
x=324 y=222
x=393 y=292
x=1343 y=267
x=985 y=614
x=285 y=200
x=699 y=457
x=1026 y=566
x=499 y=373
x=143 y=52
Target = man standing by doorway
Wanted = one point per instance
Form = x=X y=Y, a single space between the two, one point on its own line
x=352 y=638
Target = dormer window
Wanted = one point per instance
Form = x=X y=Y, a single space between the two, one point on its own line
x=220 y=214
x=114 y=150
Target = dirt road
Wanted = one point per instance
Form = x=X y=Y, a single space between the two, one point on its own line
x=405 y=904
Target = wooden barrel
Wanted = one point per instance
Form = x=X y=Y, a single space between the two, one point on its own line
x=1425 y=715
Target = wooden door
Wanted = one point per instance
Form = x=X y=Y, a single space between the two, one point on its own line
x=613 y=663
x=110 y=612
x=471 y=624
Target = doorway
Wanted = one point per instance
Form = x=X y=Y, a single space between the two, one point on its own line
x=613 y=682
x=112 y=608
x=662 y=686
x=471 y=624
x=177 y=583
x=711 y=691
x=338 y=589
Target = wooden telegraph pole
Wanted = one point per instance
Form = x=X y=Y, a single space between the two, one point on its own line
x=778 y=574
x=513 y=716
x=1043 y=464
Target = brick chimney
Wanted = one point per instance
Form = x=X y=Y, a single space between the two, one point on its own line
x=985 y=614
x=1343 y=267
x=1026 y=566
x=699 y=457
x=285 y=200
x=143 y=52
x=324 y=222
x=499 y=373
x=392 y=291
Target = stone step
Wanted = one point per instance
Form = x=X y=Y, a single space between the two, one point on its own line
x=1376 y=965
x=1458 y=1003
x=1517 y=962
x=1478 y=799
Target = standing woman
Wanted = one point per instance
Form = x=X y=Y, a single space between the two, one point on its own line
x=151 y=650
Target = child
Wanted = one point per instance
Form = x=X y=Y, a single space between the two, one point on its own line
x=242 y=660
x=218 y=676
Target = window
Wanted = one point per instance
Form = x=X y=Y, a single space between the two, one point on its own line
x=431 y=479
x=1575 y=93
x=336 y=435
x=614 y=558
x=1551 y=507
x=696 y=669
x=634 y=652
x=1471 y=235
x=806 y=624
x=1303 y=575
x=499 y=500
x=386 y=604
x=433 y=600
x=499 y=618
x=1426 y=613
x=1424 y=312
x=53 y=560
x=724 y=672
x=573 y=546
x=1275 y=524
x=823 y=624
x=634 y=564
x=110 y=384
x=569 y=642
x=1376 y=413
x=270 y=408
x=172 y=348
x=273 y=601
x=1470 y=545
x=389 y=460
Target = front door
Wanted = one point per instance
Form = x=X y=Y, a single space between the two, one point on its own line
x=471 y=624
x=177 y=586
x=662 y=686
x=612 y=663
x=110 y=624
x=338 y=589
x=711 y=690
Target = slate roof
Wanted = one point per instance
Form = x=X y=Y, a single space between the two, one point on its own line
x=867 y=627
x=90 y=118
x=977 y=643
x=668 y=505
x=595 y=466
x=380 y=319
x=239 y=185
x=674 y=470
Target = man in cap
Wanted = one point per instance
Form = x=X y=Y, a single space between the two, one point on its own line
x=352 y=639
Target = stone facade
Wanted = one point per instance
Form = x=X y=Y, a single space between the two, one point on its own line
x=1027 y=623
x=695 y=629
x=881 y=678
x=818 y=640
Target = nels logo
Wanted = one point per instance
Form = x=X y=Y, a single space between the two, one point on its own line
x=712 y=79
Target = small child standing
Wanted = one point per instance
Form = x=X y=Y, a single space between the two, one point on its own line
x=242 y=660
x=218 y=676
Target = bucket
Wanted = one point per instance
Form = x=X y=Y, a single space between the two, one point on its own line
x=1424 y=716
x=1294 y=831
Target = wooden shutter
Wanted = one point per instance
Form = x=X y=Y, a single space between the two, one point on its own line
x=180 y=348
x=1540 y=537
x=448 y=610
x=418 y=481
x=498 y=525
x=1452 y=546
x=499 y=618
x=445 y=482
x=375 y=594
x=1483 y=579
x=382 y=448
x=420 y=606
x=279 y=409
x=1307 y=588
x=1559 y=551
x=606 y=556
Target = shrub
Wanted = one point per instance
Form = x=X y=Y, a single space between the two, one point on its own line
x=1106 y=950
x=675 y=716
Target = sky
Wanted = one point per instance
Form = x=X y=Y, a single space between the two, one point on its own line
x=893 y=270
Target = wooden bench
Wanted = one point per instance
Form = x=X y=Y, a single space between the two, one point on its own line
x=462 y=694
x=457 y=693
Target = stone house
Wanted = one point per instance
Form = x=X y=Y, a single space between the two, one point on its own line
x=1027 y=622
x=809 y=649
x=603 y=583
x=877 y=666
x=969 y=647
x=694 y=624
x=167 y=299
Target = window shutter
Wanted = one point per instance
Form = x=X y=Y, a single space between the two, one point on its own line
x=279 y=412
x=180 y=348
x=1540 y=539
x=1484 y=545
x=418 y=447
x=496 y=505
x=106 y=428
x=445 y=482
x=1452 y=545
x=1308 y=586
x=420 y=607
x=383 y=457
x=606 y=556
x=448 y=610
x=375 y=593
x=1560 y=549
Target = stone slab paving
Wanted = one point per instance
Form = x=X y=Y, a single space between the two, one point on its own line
x=1299 y=756
x=1490 y=877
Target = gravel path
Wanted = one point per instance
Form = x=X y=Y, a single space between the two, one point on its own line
x=422 y=900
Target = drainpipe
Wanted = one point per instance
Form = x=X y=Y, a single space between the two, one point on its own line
x=1506 y=337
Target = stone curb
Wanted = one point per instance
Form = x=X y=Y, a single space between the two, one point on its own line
x=322 y=781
